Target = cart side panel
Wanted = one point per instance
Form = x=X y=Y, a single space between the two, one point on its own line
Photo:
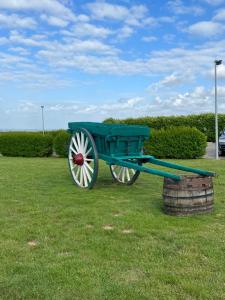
x=125 y=146
x=116 y=139
x=110 y=129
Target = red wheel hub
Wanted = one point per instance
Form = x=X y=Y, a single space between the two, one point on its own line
x=78 y=159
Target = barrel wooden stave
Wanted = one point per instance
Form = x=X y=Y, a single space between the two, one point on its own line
x=190 y=195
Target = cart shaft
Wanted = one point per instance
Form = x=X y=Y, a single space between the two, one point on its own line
x=123 y=161
x=137 y=167
x=179 y=167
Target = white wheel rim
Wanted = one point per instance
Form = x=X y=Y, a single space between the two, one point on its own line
x=80 y=144
x=122 y=174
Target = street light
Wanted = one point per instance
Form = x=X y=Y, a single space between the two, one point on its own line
x=217 y=63
x=43 y=122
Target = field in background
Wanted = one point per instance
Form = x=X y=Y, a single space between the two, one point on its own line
x=112 y=242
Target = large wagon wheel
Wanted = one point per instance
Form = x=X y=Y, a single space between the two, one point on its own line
x=123 y=174
x=83 y=158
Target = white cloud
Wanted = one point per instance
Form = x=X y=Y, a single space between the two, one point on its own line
x=81 y=46
x=137 y=15
x=52 y=7
x=177 y=7
x=125 y=32
x=71 y=54
x=57 y=113
x=65 y=49
x=94 y=56
x=220 y=15
x=15 y=21
x=166 y=19
x=27 y=107
x=103 y=10
x=149 y=39
x=54 y=21
x=169 y=81
x=197 y=101
x=20 y=50
x=88 y=30
x=8 y=59
x=79 y=110
x=3 y=40
x=206 y=28
x=133 y=16
x=15 y=37
x=122 y=104
x=214 y=2
x=220 y=72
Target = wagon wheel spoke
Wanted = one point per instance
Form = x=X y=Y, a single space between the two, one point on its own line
x=75 y=144
x=85 y=176
x=88 y=166
x=128 y=175
x=120 y=171
x=73 y=150
x=85 y=145
x=78 y=141
x=81 y=177
x=83 y=158
x=89 y=159
x=86 y=154
x=82 y=143
x=87 y=173
x=123 y=174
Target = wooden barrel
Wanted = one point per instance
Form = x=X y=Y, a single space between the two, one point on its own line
x=193 y=194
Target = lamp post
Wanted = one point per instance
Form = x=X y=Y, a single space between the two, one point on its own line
x=43 y=121
x=217 y=63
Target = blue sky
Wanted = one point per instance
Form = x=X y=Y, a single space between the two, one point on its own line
x=90 y=60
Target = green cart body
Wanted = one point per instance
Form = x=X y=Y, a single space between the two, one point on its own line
x=115 y=140
x=121 y=146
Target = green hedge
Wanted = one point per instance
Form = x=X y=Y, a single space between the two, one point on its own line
x=27 y=144
x=171 y=142
x=203 y=122
x=176 y=142
x=61 y=142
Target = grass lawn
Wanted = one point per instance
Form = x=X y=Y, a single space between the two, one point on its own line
x=113 y=242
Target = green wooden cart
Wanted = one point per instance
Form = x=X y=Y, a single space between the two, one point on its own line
x=121 y=146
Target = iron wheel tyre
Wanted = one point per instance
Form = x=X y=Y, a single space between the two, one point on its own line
x=123 y=174
x=83 y=158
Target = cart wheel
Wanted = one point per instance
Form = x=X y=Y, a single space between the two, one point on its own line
x=83 y=158
x=123 y=174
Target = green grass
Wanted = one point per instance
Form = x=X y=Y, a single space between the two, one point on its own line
x=74 y=257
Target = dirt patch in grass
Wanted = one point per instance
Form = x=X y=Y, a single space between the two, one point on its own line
x=108 y=227
x=127 y=231
x=89 y=226
x=32 y=243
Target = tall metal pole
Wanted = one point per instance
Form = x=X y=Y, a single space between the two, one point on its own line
x=216 y=115
x=217 y=62
x=43 y=121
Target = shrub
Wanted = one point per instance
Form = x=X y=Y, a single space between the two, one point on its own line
x=27 y=144
x=61 y=142
x=176 y=142
x=203 y=122
x=54 y=133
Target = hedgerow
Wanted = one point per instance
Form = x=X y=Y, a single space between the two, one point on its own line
x=27 y=144
x=176 y=142
x=169 y=142
x=203 y=122
x=61 y=142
